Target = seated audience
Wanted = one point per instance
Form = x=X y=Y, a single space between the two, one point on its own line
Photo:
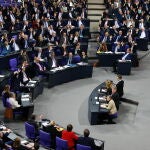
x=70 y=136
x=86 y=140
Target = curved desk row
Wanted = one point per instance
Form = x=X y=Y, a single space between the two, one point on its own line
x=108 y=59
x=69 y=73
x=94 y=109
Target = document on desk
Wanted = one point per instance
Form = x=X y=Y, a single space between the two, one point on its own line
x=25 y=99
x=32 y=81
x=2 y=76
x=45 y=123
x=109 y=52
x=30 y=85
x=97 y=103
x=101 y=98
x=103 y=106
x=82 y=64
x=104 y=90
x=25 y=96
x=66 y=66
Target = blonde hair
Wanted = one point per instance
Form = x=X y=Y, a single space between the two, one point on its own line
x=109 y=84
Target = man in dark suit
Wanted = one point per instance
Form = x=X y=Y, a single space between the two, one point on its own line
x=128 y=55
x=52 y=129
x=115 y=96
x=120 y=86
x=39 y=68
x=32 y=121
x=119 y=37
x=86 y=140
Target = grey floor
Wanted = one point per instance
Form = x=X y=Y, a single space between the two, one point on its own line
x=68 y=103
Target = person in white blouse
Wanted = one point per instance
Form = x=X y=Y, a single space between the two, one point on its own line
x=12 y=101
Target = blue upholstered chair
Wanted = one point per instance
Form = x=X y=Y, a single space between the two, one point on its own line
x=76 y=59
x=13 y=64
x=83 y=147
x=45 y=139
x=61 y=144
x=30 y=131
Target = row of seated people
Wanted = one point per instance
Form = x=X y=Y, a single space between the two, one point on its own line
x=6 y=143
x=117 y=47
x=40 y=30
x=55 y=131
x=124 y=22
x=68 y=135
x=40 y=63
x=12 y=103
x=24 y=41
x=127 y=14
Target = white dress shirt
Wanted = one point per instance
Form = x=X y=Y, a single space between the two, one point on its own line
x=143 y=35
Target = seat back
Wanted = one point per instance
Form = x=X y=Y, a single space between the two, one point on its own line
x=61 y=144
x=83 y=147
x=30 y=131
x=13 y=64
x=45 y=139
x=76 y=59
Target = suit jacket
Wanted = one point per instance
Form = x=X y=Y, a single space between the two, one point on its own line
x=116 y=98
x=37 y=70
x=6 y=51
x=118 y=38
x=53 y=133
x=63 y=39
x=21 y=78
x=120 y=86
x=87 y=141
x=127 y=57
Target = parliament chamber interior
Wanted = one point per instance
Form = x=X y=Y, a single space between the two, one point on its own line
x=74 y=74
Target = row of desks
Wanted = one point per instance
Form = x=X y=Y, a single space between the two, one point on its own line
x=94 y=108
x=108 y=59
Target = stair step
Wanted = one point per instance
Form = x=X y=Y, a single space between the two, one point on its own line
x=95 y=12
x=96 y=9
x=92 y=40
x=92 y=20
x=96 y=6
x=95 y=3
x=95 y=15
x=94 y=32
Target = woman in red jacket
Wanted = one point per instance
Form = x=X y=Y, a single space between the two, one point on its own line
x=70 y=136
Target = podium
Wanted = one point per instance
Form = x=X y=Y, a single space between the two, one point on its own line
x=124 y=67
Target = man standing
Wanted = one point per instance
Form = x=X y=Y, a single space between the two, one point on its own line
x=120 y=86
x=115 y=96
